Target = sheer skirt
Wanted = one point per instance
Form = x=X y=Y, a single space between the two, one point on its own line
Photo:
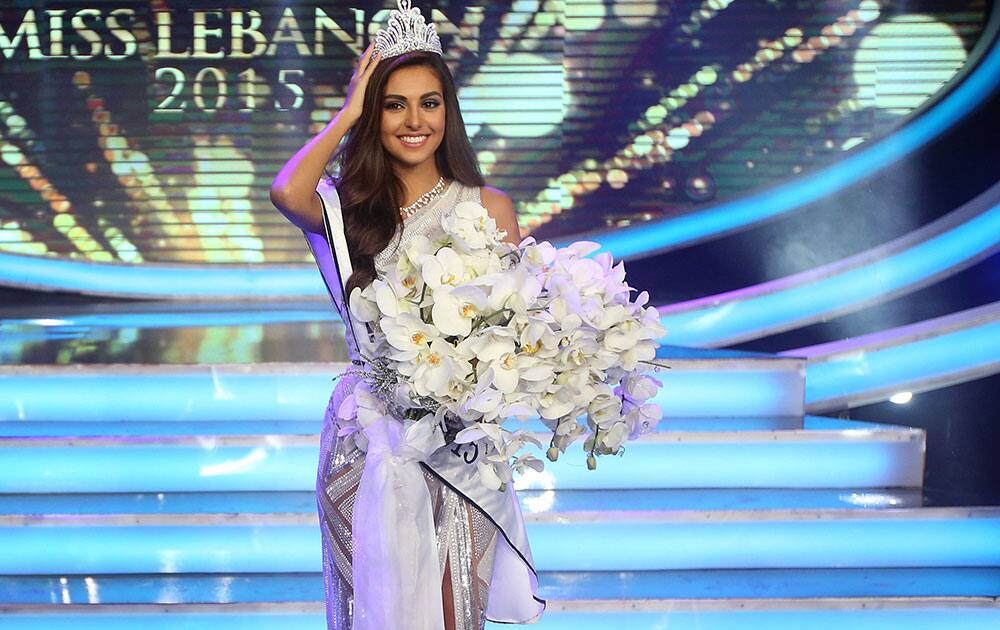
x=466 y=538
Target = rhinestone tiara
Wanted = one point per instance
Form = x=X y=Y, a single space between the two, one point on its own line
x=406 y=32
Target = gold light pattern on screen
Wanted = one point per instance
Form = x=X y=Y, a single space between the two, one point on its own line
x=154 y=137
x=55 y=204
x=659 y=142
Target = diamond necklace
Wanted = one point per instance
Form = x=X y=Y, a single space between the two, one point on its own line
x=424 y=199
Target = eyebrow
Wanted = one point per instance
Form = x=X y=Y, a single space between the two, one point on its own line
x=403 y=98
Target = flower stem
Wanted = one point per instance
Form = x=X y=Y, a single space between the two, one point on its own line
x=423 y=294
x=655 y=364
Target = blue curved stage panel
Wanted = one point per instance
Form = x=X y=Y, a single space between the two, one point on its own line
x=948 y=245
x=161 y=281
x=875 y=372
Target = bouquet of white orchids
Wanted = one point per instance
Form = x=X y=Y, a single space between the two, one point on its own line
x=468 y=331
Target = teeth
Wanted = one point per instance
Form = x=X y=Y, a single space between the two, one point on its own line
x=413 y=139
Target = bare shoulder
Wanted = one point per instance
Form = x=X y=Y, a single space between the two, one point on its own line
x=494 y=197
x=500 y=206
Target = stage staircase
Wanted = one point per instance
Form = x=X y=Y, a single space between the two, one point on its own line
x=181 y=496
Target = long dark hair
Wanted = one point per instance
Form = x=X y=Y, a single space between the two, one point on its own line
x=369 y=189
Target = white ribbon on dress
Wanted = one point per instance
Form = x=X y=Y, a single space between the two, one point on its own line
x=396 y=575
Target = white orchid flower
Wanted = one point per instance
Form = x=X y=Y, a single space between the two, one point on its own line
x=604 y=410
x=581 y=350
x=517 y=408
x=614 y=436
x=484 y=404
x=528 y=461
x=537 y=255
x=411 y=256
x=534 y=369
x=558 y=311
x=643 y=419
x=483 y=263
x=606 y=317
x=581 y=248
x=624 y=335
x=472 y=226
x=492 y=469
x=389 y=302
x=408 y=335
x=503 y=373
x=517 y=290
x=575 y=379
x=369 y=407
x=455 y=308
x=500 y=365
x=493 y=349
x=612 y=277
x=488 y=474
x=555 y=406
x=406 y=284
x=478 y=431
x=638 y=388
x=444 y=268
x=523 y=437
x=459 y=389
x=362 y=304
x=478 y=214
x=642 y=352
x=651 y=320
x=585 y=275
x=433 y=369
x=489 y=343
x=566 y=433
x=537 y=340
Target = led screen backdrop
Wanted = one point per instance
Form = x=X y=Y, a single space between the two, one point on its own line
x=149 y=132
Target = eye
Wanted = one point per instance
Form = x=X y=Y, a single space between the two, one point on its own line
x=431 y=104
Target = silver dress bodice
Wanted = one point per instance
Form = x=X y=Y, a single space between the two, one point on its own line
x=426 y=221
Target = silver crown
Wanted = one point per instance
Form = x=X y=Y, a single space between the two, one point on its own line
x=406 y=32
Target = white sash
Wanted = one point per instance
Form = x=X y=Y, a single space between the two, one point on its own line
x=333 y=226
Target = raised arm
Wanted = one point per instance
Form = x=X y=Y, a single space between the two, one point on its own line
x=293 y=191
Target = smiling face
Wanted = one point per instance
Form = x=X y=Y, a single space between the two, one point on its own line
x=413 y=115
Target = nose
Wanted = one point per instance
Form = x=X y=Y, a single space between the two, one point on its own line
x=413 y=118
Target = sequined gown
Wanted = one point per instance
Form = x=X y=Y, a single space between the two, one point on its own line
x=480 y=532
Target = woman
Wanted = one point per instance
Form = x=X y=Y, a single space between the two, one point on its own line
x=406 y=162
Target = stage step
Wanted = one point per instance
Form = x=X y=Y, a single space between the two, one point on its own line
x=690 y=584
x=560 y=541
x=825 y=453
x=819 y=614
x=532 y=501
x=754 y=384
x=96 y=428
